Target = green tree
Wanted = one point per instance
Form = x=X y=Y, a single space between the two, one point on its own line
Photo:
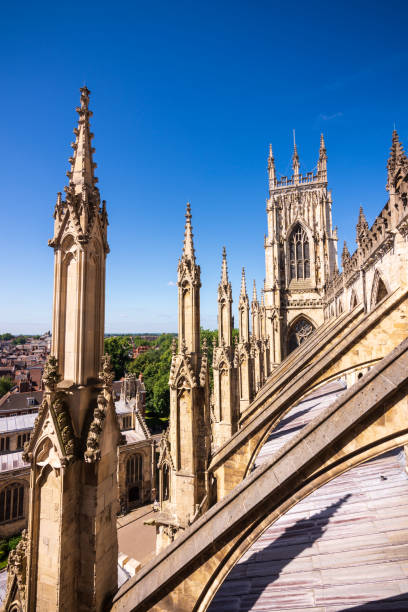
x=5 y=547
x=20 y=340
x=5 y=385
x=155 y=367
x=6 y=336
x=119 y=348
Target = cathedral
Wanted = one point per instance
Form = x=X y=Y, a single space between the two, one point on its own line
x=313 y=326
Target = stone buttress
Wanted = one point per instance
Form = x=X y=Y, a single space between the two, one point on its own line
x=185 y=448
x=70 y=551
x=226 y=402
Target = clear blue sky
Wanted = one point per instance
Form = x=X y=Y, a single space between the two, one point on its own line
x=186 y=98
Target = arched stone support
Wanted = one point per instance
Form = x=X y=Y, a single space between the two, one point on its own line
x=365 y=421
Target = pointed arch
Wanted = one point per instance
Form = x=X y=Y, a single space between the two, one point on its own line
x=165 y=489
x=353 y=300
x=379 y=289
x=299 y=330
x=299 y=253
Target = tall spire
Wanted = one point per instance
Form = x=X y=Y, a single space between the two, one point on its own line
x=188 y=276
x=81 y=174
x=225 y=321
x=295 y=158
x=243 y=283
x=322 y=162
x=224 y=267
x=243 y=307
x=254 y=296
x=188 y=248
x=397 y=159
x=271 y=170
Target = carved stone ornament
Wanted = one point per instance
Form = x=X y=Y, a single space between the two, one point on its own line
x=170 y=531
x=17 y=568
x=106 y=374
x=93 y=452
x=51 y=375
x=64 y=423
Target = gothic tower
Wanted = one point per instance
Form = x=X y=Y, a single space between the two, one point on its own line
x=71 y=545
x=300 y=253
x=185 y=447
x=226 y=407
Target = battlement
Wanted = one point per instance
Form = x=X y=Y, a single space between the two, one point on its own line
x=374 y=242
x=300 y=179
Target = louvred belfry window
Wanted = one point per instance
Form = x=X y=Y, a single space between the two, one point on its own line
x=299 y=254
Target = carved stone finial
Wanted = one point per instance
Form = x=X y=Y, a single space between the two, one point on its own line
x=183 y=348
x=254 y=295
x=362 y=226
x=345 y=256
x=397 y=159
x=174 y=346
x=188 y=248
x=106 y=374
x=224 y=267
x=243 y=283
x=51 y=376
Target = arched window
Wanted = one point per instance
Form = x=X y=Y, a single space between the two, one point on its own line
x=126 y=422
x=353 y=300
x=5 y=443
x=301 y=330
x=299 y=256
x=134 y=469
x=379 y=290
x=166 y=482
x=12 y=503
x=22 y=439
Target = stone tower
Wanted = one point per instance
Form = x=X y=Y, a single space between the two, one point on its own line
x=71 y=549
x=300 y=253
x=185 y=447
x=226 y=404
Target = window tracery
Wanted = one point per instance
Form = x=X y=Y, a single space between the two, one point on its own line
x=12 y=503
x=298 y=333
x=134 y=468
x=299 y=254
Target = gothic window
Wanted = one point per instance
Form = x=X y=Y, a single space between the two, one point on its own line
x=22 y=439
x=298 y=333
x=134 y=468
x=299 y=256
x=126 y=422
x=353 y=300
x=379 y=290
x=166 y=482
x=5 y=443
x=12 y=503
